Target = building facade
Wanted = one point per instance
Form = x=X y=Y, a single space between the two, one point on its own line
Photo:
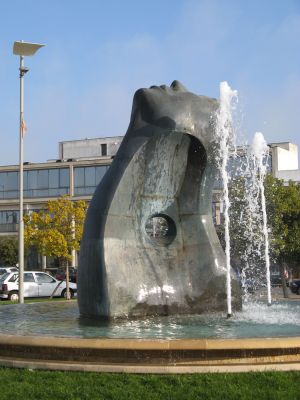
x=80 y=167
x=76 y=175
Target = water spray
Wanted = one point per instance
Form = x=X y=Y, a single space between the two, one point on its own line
x=226 y=137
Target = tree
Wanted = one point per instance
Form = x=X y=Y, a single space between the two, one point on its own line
x=57 y=230
x=283 y=207
x=8 y=250
x=283 y=210
x=246 y=237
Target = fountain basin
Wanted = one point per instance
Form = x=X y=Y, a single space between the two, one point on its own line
x=150 y=356
x=52 y=336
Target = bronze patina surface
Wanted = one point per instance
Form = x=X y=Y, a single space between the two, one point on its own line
x=149 y=245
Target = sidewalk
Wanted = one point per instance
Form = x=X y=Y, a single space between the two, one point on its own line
x=276 y=293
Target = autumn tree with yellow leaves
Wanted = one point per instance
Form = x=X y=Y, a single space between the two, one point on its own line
x=56 y=230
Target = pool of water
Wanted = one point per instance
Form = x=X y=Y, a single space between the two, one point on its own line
x=282 y=319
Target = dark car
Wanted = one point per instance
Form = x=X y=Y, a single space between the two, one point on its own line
x=61 y=274
x=276 y=280
x=295 y=286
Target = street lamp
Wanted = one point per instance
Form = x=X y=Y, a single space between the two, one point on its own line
x=22 y=49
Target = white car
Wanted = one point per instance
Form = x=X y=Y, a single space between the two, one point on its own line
x=3 y=270
x=36 y=284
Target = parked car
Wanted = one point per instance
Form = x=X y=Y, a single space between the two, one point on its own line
x=61 y=274
x=4 y=270
x=295 y=286
x=251 y=285
x=276 y=280
x=36 y=284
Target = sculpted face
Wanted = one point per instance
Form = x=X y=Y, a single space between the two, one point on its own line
x=163 y=171
x=171 y=107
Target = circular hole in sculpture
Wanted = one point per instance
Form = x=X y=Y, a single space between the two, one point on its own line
x=161 y=228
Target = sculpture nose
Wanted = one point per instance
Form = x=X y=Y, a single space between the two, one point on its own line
x=176 y=85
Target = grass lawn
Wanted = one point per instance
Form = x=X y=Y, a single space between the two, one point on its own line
x=36 y=300
x=42 y=385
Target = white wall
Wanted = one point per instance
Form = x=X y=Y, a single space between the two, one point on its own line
x=88 y=148
x=285 y=161
x=284 y=156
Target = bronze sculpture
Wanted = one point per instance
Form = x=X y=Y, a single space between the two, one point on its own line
x=149 y=245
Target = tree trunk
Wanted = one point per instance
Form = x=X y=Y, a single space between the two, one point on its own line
x=44 y=263
x=67 y=282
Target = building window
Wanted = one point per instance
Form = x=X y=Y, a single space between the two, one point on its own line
x=46 y=182
x=86 y=179
x=53 y=178
x=104 y=149
x=37 y=183
x=9 y=221
x=8 y=185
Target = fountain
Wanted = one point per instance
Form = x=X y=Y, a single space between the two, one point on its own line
x=165 y=169
x=253 y=217
x=224 y=135
x=154 y=283
x=259 y=151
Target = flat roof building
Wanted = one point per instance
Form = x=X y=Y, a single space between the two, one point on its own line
x=89 y=149
x=285 y=161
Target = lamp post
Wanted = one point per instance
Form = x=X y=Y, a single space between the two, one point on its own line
x=22 y=49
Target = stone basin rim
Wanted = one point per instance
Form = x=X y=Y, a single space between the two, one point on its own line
x=157 y=356
x=152 y=344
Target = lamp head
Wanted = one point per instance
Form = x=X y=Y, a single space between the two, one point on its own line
x=25 y=48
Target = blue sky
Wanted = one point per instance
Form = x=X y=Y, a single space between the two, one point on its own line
x=99 y=52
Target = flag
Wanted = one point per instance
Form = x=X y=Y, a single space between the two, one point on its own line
x=23 y=128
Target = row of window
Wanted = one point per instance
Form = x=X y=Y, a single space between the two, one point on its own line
x=9 y=217
x=51 y=182
x=9 y=221
x=86 y=179
x=28 y=277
